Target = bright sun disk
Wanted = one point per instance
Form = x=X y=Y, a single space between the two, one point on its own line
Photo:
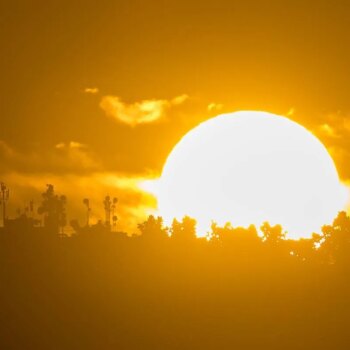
x=251 y=167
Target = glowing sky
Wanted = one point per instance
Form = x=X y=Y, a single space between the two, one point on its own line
x=101 y=90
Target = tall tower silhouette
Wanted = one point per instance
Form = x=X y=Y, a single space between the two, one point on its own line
x=4 y=197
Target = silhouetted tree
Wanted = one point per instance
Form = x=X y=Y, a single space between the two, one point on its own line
x=184 y=230
x=153 y=228
x=335 y=243
x=236 y=290
x=303 y=249
x=53 y=207
x=272 y=234
x=220 y=233
x=235 y=238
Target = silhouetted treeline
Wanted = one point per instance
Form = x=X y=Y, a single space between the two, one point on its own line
x=167 y=289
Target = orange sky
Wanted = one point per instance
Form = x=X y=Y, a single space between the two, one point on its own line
x=93 y=91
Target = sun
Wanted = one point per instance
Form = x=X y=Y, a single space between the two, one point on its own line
x=250 y=167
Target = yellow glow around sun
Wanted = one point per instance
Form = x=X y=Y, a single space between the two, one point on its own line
x=249 y=167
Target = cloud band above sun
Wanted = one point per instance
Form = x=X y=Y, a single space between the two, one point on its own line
x=143 y=112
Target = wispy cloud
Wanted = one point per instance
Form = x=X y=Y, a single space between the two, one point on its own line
x=327 y=130
x=334 y=131
x=143 y=112
x=215 y=107
x=335 y=125
x=92 y=91
x=291 y=112
x=70 y=145
x=70 y=157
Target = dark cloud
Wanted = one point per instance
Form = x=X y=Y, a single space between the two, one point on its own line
x=64 y=158
x=74 y=171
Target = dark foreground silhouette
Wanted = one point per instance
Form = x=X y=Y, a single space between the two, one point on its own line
x=167 y=289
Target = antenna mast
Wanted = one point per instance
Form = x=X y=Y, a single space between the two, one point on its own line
x=4 y=197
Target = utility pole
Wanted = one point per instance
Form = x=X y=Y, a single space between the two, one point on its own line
x=86 y=201
x=4 y=197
